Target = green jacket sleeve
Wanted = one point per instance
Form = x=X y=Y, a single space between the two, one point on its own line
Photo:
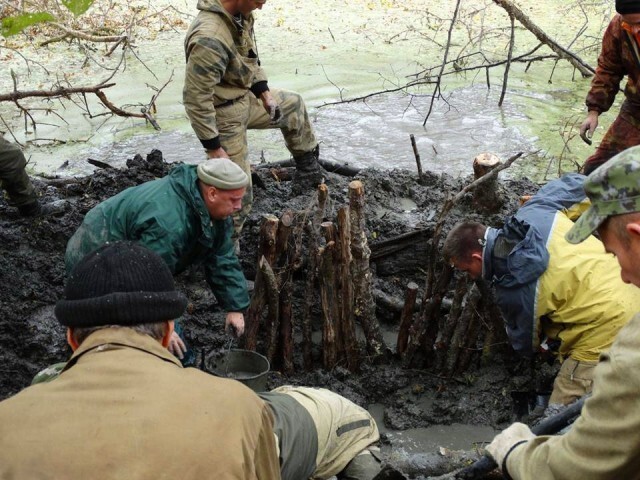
x=223 y=272
x=604 y=442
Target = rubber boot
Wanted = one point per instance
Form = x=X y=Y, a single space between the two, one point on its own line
x=37 y=209
x=309 y=174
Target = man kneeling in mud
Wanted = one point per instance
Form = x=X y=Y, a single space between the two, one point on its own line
x=546 y=287
x=604 y=443
x=110 y=411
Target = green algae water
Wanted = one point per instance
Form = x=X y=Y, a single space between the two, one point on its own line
x=333 y=50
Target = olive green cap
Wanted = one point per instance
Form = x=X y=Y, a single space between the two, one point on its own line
x=222 y=173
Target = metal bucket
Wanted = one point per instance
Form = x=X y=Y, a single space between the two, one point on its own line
x=246 y=366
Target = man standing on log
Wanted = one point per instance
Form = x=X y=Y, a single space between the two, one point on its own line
x=620 y=57
x=604 y=443
x=16 y=183
x=185 y=218
x=546 y=287
x=226 y=92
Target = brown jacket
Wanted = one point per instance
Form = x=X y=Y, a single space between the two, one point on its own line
x=617 y=59
x=604 y=443
x=124 y=408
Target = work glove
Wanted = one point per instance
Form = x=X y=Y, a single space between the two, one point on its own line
x=504 y=443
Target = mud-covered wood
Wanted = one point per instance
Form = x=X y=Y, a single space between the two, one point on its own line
x=330 y=306
x=463 y=332
x=347 y=324
x=365 y=306
x=406 y=318
x=286 y=254
x=273 y=304
x=268 y=232
x=443 y=341
x=267 y=250
x=486 y=196
x=314 y=230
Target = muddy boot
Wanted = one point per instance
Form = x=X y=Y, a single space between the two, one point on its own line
x=37 y=209
x=309 y=174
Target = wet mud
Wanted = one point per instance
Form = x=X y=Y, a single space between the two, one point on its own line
x=32 y=279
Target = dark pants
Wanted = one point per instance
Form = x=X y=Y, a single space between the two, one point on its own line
x=13 y=177
x=623 y=133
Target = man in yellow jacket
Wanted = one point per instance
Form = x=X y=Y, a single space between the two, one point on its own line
x=547 y=289
x=604 y=443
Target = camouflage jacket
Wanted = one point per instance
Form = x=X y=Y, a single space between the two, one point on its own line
x=605 y=440
x=619 y=57
x=222 y=65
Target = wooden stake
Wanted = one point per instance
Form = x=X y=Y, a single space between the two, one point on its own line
x=347 y=324
x=309 y=293
x=406 y=318
x=486 y=196
x=365 y=305
x=267 y=249
x=329 y=302
x=416 y=154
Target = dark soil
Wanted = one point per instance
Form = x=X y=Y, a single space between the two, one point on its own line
x=32 y=279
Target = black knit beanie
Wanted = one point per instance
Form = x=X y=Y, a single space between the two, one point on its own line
x=624 y=7
x=120 y=283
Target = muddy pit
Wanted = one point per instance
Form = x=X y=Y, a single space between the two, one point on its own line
x=32 y=279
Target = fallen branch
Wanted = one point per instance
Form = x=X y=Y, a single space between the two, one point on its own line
x=583 y=67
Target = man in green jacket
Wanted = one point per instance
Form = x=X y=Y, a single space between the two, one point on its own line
x=111 y=413
x=185 y=218
x=226 y=92
x=604 y=443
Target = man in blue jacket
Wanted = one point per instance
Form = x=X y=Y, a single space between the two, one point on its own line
x=185 y=218
x=546 y=287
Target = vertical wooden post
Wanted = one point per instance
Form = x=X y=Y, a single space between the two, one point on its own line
x=486 y=195
x=406 y=318
x=309 y=293
x=330 y=310
x=365 y=305
x=286 y=262
x=273 y=302
x=267 y=249
x=347 y=325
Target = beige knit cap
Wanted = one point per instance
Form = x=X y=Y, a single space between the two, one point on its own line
x=222 y=173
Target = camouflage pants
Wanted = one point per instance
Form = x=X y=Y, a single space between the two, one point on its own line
x=623 y=133
x=574 y=380
x=13 y=177
x=248 y=113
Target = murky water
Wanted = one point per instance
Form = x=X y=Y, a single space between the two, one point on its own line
x=328 y=50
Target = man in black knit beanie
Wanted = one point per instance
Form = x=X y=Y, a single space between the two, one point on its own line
x=111 y=413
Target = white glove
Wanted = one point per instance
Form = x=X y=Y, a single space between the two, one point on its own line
x=502 y=444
